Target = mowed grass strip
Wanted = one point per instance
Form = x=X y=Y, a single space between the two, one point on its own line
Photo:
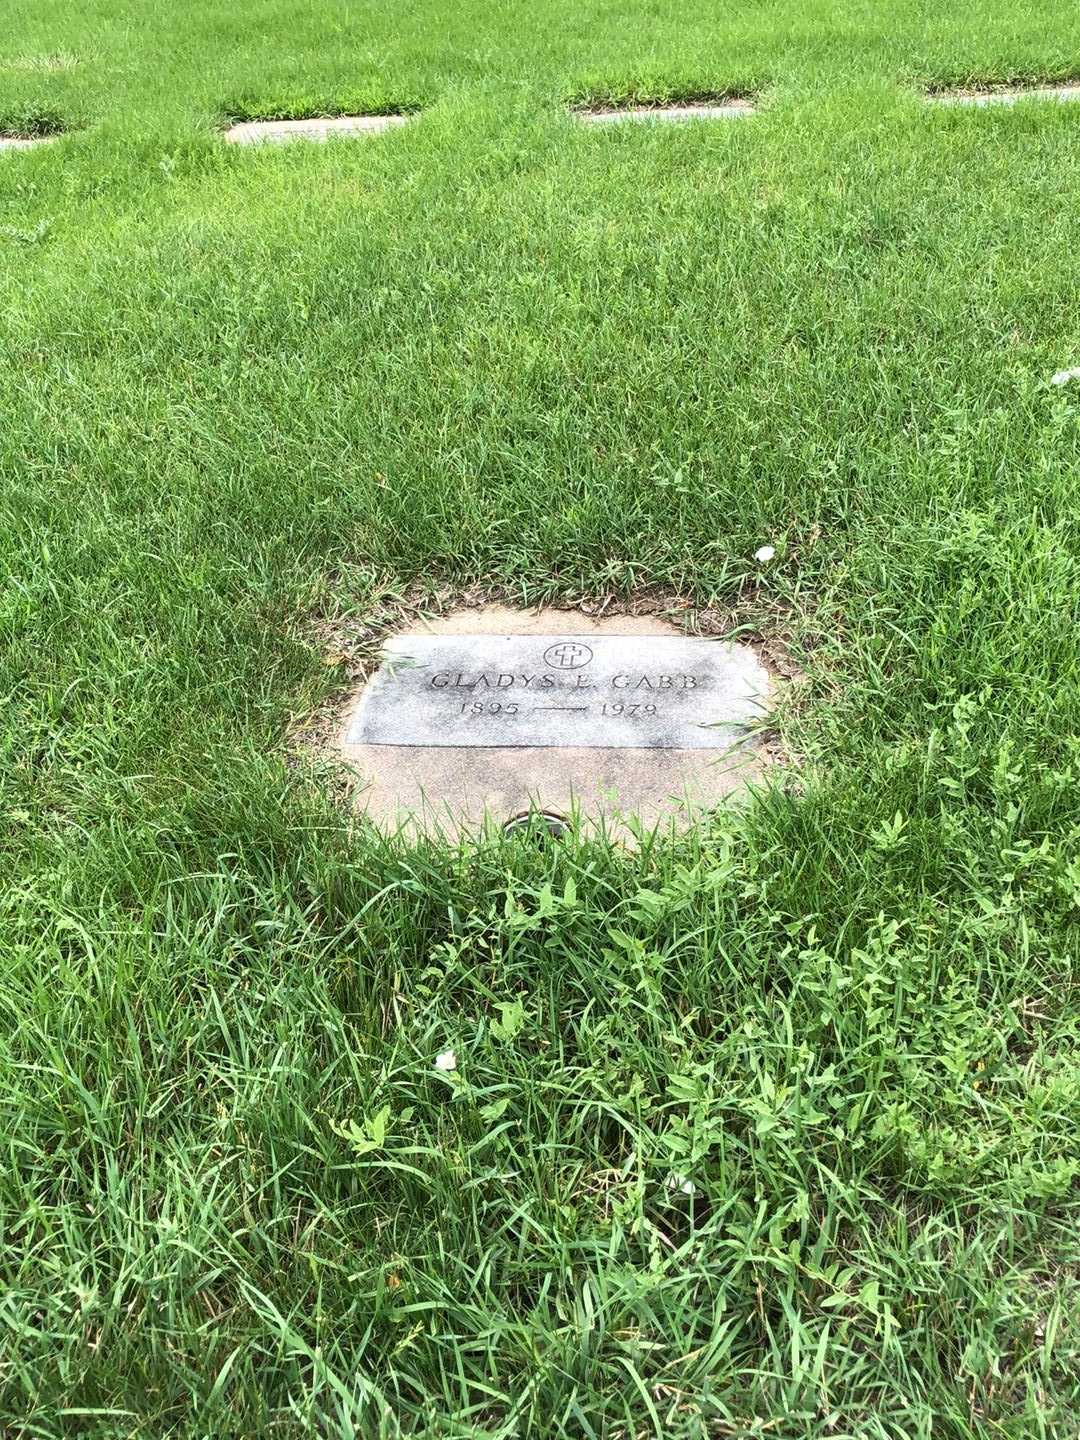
x=769 y=1130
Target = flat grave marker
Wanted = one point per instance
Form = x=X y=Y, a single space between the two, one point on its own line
x=599 y=692
x=617 y=718
x=24 y=142
x=1006 y=96
x=255 y=132
x=720 y=110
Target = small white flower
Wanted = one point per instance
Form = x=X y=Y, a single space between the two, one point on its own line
x=766 y=553
x=1064 y=376
x=680 y=1183
x=446 y=1060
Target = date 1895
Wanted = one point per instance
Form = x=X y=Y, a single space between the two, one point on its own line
x=509 y=708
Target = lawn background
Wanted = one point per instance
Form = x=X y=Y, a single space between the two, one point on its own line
x=243 y=389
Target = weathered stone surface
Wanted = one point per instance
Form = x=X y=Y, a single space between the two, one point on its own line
x=253 y=132
x=729 y=110
x=595 y=692
x=453 y=787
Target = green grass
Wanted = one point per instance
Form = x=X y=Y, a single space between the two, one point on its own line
x=241 y=390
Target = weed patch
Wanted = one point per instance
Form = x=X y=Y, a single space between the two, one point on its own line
x=30 y=122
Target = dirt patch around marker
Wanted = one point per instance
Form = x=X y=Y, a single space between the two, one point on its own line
x=669 y=785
